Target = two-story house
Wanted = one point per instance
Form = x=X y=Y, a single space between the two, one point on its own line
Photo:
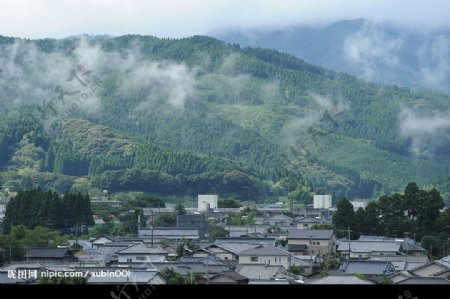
x=269 y=255
x=141 y=253
x=314 y=242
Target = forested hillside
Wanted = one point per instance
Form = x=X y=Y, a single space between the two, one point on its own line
x=199 y=115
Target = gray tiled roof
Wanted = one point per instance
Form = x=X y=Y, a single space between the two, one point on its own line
x=142 y=249
x=169 y=231
x=48 y=253
x=231 y=274
x=367 y=267
x=370 y=246
x=269 y=282
x=350 y=279
x=425 y=280
x=320 y=234
x=236 y=248
x=268 y=250
x=258 y=241
x=255 y=271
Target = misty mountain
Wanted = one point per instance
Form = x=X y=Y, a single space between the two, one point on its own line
x=374 y=52
x=197 y=115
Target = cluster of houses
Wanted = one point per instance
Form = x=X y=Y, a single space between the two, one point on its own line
x=281 y=247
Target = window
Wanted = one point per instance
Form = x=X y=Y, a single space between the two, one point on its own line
x=275 y=259
x=305 y=225
x=314 y=243
x=141 y=258
x=129 y=260
x=254 y=258
x=317 y=243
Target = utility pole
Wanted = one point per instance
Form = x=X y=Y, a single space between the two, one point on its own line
x=348 y=230
x=310 y=254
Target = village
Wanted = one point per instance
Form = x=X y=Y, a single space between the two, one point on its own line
x=283 y=245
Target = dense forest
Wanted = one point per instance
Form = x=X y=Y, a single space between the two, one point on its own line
x=415 y=213
x=33 y=208
x=197 y=115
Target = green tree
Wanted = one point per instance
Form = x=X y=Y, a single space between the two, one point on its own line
x=171 y=277
x=179 y=208
x=217 y=232
x=345 y=215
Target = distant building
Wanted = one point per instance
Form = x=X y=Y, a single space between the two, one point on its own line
x=322 y=201
x=193 y=221
x=207 y=202
x=141 y=253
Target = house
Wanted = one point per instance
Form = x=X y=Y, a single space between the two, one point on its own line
x=228 y=277
x=307 y=222
x=202 y=252
x=257 y=241
x=50 y=255
x=365 y=249
x=171 y=251
x=409 y=246
x=159 y=234
x=269 y=282
x=240 y=231
x=229 y=251
x=211 y=260
x=433 y=268
x=425 y=280
x=403 y=262
x=334 y=280
x=260 y=271
x=141 y=253
x=149 y=277
x=279 y=220
x=314 y=242
x=380 y=268
x=269 y=255
x=90 y=255
x=400 y=276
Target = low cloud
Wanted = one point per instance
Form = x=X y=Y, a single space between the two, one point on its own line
x=428 y=133
x=370 y=50
x=434 y=61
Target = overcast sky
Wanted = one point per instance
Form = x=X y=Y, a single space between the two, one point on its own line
x=179 y=18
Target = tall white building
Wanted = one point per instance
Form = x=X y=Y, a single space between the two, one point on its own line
x=322 y=201
x=206 y=202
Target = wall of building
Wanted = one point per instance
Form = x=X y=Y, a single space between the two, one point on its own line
x=322 y=201
x=265 y=260
x=205 y=200
x=324 y=246
x=136 y=258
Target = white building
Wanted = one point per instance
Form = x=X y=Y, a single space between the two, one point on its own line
x=206 y=202
x=322 y=201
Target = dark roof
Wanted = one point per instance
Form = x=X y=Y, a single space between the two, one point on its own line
x=262 y=241
x=367 y=267
x=319 y=234
x=142 y=249
x=425 y=280
x=296 y=247
x=48 y=253
x=233 y=275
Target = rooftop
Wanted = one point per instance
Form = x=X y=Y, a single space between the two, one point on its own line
x=367 y=267
x=350 y=279
x=369 y=246
x=268 y=250
x=142 y=249
x=320 y=234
